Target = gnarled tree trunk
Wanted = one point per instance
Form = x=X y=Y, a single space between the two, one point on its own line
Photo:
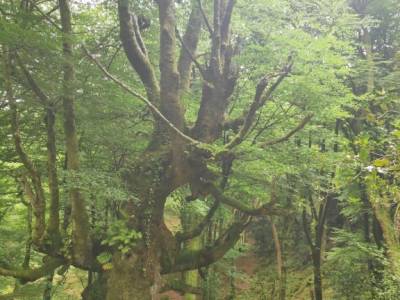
x=134 y=277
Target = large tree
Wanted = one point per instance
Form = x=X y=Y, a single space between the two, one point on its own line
x=182 y=153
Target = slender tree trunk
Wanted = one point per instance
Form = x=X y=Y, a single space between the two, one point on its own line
x=47 y=293
x=279 y=262
x=189 y=221
x=80 y=221
x=381 y=209
x=38 y=199
x=316 y=244
x=53 y=227
x=28 y=243
x=210 y=275
x=316 y=257
x=232 y=286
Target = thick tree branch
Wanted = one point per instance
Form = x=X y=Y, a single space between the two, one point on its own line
x=184 y=236
x=206 y=21
x=33 y=274
x=186 y=64
x=28 y=243
x=220 y=79
x=195 y=259
x=189 y=43
x=171 y=106
x=226 y=21
x=215 y=63
x=299 y=127
x=135 y=50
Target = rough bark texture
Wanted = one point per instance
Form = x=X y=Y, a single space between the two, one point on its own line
x=135 y=50
x=128 y=280
x=189 y=221
x=53 y=227
x=220 y=78
x=80 y=221
x=188 y=51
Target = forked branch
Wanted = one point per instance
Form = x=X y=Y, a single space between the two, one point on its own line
x=184 y=236
x=38 y=200
x=151 y=106
x=53 y=224
x=195 y=259
x=261 y=96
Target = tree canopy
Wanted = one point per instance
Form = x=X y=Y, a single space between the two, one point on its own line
x=199 y=149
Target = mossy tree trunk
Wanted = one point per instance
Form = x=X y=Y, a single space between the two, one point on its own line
x=316 y=243
x=279 y=262
x=190 y=219
x=176 y=156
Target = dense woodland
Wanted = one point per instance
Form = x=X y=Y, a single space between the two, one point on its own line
x=200 y=149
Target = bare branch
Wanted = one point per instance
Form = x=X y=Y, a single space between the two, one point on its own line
x=32 y=83
x=47 y=15
x=260 y=98
x=290 y=133
x=270 y=123
x=206 y=21
x=266 y=209
x=113 y=57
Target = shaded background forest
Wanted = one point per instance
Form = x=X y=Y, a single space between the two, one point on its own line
x=319 y=156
